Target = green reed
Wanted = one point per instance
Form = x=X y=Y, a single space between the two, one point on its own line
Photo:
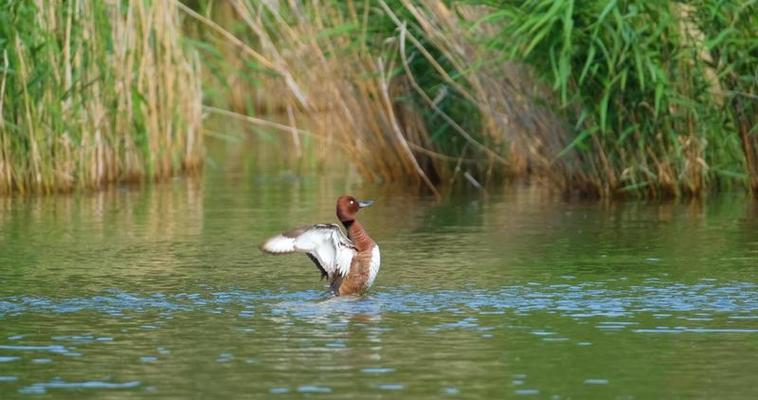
x=95 y=92
x=661 y=95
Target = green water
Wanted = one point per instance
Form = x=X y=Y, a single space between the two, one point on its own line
x=160 y=292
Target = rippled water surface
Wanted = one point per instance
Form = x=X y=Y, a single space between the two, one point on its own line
x=161 y=292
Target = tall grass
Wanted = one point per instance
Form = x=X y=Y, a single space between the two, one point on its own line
x=603 y=98
x=662 y=95
x=95 y=92
x=732 y=29
x=399 y=86
x=600 y=98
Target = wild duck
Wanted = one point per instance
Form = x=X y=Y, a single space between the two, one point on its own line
x=349 y=263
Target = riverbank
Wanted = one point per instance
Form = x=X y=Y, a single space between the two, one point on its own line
x=626 y=99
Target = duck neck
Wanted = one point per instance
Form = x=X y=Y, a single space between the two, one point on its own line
x=358 y=235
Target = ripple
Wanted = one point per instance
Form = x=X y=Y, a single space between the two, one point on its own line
x=114 y=304
x=53 y=348
x=583 y=300
x=450 y=391
x=391 y=386
x=377 y=370
x=42 y=387
x=74 y=338
x=314 y=389
x=225 y=358
x=696 y=330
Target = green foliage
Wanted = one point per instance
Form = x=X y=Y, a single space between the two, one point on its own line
x=643 y=83
x=94 y=92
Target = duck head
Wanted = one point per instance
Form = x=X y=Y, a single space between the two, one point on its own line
x=348 y=207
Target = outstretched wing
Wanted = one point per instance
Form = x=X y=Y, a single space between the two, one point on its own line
x=325 y=244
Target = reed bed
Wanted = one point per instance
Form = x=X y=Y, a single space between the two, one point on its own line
x=95 y=92
x=661 y=95
x=395 y=86
x=596 y=98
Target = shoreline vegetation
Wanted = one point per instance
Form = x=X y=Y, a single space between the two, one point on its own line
x=598 y=99
x=93 y=93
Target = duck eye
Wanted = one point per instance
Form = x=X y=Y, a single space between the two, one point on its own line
x=352 y=202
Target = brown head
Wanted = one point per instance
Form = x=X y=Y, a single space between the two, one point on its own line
x=348 y=207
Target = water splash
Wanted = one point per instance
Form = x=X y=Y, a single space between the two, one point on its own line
x=593 y=299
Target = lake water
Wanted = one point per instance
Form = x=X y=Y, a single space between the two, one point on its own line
x=161 y=292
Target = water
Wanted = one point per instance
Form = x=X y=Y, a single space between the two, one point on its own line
x=161 y=292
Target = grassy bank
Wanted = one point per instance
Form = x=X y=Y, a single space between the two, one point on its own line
x=95 y=92
x=594 y=98
x=597 y=98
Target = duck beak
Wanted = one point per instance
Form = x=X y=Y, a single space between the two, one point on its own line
x=365 y=203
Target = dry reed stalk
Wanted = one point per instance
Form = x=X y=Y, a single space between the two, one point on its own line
x=401 y=140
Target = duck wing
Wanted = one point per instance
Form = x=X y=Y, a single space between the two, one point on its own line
x=325 y=244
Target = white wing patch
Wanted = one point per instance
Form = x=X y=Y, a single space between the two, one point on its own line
x=374 y=266
x=325 y=243
x=279 y=244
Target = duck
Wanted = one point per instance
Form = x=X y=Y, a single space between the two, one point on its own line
x=349 y=262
